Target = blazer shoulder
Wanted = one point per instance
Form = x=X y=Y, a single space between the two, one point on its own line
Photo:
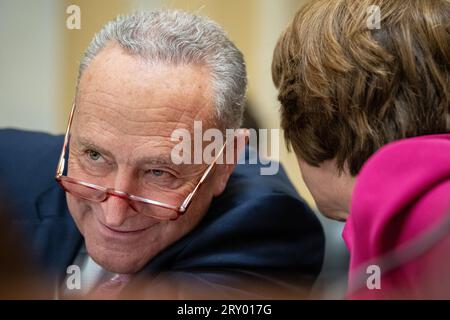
x=274 y=240
x=23 y=143
x=28 y=163
x=258 y=223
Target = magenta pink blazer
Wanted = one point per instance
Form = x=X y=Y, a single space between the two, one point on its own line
x=399 y=205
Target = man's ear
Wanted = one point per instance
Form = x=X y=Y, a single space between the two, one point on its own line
x=231 y=155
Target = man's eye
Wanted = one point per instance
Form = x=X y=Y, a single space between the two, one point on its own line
x=93 y=155
x=162 y=178
x=157 y=173
x=160 y=174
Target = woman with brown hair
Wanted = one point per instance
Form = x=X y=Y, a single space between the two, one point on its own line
x=364 y=88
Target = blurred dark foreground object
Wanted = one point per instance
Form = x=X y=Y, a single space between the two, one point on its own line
x=18 y=279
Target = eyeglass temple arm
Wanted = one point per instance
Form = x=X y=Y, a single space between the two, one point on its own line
x=188 y=199
x=62 y=161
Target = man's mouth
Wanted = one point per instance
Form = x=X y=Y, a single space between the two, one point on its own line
x=126 y=231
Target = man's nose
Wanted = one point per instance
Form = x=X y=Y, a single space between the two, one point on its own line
x=118 y=209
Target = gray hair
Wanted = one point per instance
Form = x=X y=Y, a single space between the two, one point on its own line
x=178 y=37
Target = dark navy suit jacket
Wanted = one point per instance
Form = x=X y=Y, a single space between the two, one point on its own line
x=259 y=234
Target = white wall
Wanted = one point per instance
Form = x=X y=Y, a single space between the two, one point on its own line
x=29 y=61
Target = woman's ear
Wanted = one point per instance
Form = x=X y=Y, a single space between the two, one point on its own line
x=231 y=154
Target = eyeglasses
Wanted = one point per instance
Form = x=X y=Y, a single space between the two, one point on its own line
x=96 y=193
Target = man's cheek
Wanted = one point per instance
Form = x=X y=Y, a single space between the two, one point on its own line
x=79 y=209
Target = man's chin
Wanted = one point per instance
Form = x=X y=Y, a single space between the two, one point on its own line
x=119 y=265
x=117 y=262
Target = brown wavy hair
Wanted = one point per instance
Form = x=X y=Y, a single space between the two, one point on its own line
x=346 y=89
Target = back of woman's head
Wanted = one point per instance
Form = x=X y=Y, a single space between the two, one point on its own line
x=347 y=88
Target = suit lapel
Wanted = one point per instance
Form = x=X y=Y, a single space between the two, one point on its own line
x=56 y=235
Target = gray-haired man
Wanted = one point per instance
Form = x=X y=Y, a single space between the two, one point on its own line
x=189 y=230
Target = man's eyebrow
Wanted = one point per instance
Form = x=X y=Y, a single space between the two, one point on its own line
x=88 y=144
x=157 y=159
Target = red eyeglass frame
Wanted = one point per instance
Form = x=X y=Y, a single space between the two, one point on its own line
x=180 y=210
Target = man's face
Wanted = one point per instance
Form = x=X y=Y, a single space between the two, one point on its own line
x=126 y=112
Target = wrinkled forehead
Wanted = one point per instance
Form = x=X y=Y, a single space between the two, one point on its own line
x=124 y=100
x=130 y=108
